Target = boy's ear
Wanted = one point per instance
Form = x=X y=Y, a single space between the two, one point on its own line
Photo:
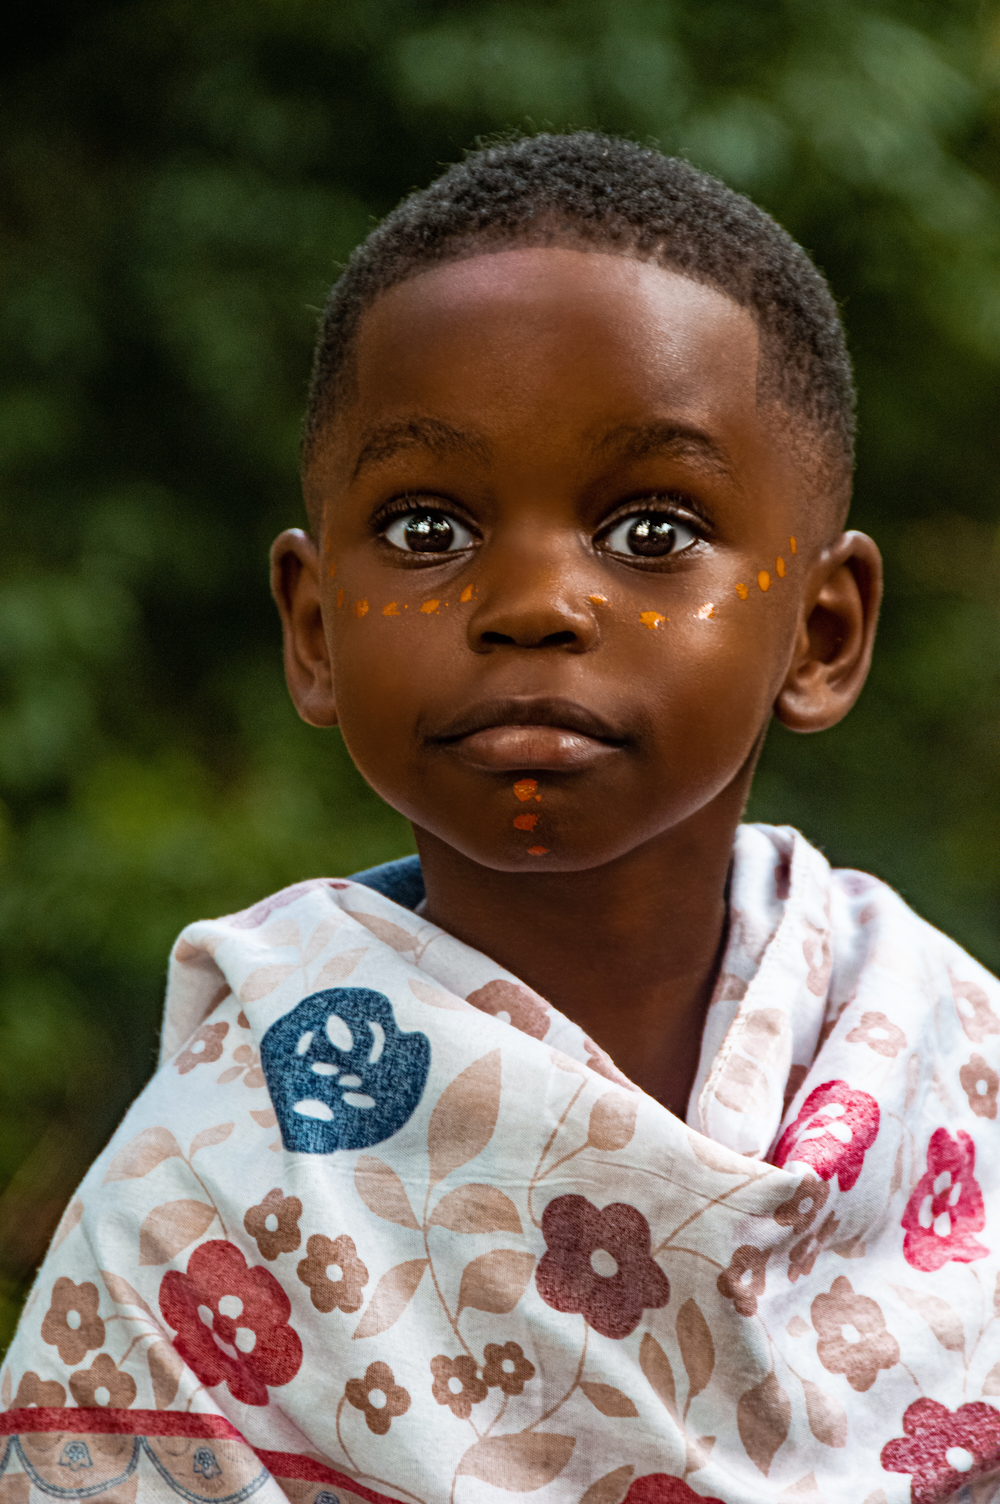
x=836 y=633
x=295 y=586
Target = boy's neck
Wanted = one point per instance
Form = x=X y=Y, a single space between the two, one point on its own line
x=629 y=951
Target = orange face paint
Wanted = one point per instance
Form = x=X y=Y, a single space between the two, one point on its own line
x=742 y=592
x=599 y=600
x=525 y=822
x=538 y=851
x=466 y=595
x=430 y=607
x=652 y=619
x=361 y=608
x=705 y=611
x=340 y=598
x=525 y=787
x=780 y=568
x=793 y=546
x=392 y=609
x=333 y=569
x=764 y=580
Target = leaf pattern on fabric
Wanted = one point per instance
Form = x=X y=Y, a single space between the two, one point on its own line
x=476 y=1208
x=385 y=930
x=263 y=981
x=763 y=1418
x=827 y=1417
x=694 y=1338
x=320 y=938
x=610 y=1489
x=659 y=1375
x=464 y=1116
x=943 y=1320
x=742 y=1086
x=382 y=1191
x=608 y=1399
x=338 y=967
x=168 y=1229
x=612 y=1122
x=142 y=1154
x=520 y=1463
x=495 y=1281
x=390 y=1298
x=123 y=1294
x=209 y=1137
x=166 y=1369
x=434 y=997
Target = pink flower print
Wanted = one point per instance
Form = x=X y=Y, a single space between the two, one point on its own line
x=660 y=1488
x=515 y=1004
x=879 y=1034
x=853 y=1339
x=943 y=1450
x=973 y=1008
x=834 y=1130
x=946 y=1207
x=598 y=1263
x=231 y=1321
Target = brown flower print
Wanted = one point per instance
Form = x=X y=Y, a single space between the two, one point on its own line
x=980 y=1082
x=598 y=1263
x=804 y=1255
x=515 y=1004
x=378 y=1396
x=744 y=1280
x=102 y=1384
x=852 y=1335
x=799 y=1211
x=506 y=1367
x=274 y=1224
x=46 y=1394
x=71 y=1323
x=456 y=1383
x=205 y=1047
x=341 y=1290
x=879 y=1034
x=247 y=1065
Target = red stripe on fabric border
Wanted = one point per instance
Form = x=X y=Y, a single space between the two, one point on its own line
x=102 y=1422
x=118 y=1422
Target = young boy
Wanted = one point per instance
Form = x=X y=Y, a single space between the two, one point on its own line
x=623 y=1152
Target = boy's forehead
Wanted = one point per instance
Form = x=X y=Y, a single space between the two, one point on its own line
x=529 y=341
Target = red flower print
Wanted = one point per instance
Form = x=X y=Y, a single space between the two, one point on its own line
x=832 y=1133
x=231 y=1322
x=378 y=1396
x=456 y=1383
x=943 y=1450
x=946 y=1207
x=598 y=1263
x=659 y=1488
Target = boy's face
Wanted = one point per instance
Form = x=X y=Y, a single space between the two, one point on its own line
x=556 y=594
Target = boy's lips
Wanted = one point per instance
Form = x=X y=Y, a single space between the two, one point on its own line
x=514 y=735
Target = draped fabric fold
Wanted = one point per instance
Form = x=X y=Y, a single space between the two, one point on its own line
x=385 y=1225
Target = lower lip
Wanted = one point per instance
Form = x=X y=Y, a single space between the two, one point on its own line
x=510 y=749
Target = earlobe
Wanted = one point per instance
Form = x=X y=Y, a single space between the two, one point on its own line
x=295 y=576
x=835 y=636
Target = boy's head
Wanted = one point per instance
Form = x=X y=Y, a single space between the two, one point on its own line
x=577 y=457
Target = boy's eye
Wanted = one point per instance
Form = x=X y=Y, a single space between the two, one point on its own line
x=427 y=532
x=649 y=536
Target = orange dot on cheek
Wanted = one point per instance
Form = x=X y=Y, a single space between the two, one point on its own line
x=333 y=569
x=525 y=787
x=538 y=851
x=742 y=592
x=340 y=598
x=793 y=546
x=599 y=600
x=525 y=822
x=361 y=608
x=764 y=580
x=780 y=568
x=430 y=607
x=466 y=595
x=652 y=619
x=392 y=609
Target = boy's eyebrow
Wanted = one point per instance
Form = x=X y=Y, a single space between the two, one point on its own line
x=387 y=439
x=636 y=440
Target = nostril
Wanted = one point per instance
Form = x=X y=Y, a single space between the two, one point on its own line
x=558 y=640
x=497 y=639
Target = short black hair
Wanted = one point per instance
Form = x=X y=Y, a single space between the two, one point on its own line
x=606 y=194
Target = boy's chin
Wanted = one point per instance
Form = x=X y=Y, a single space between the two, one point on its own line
x=537 y=851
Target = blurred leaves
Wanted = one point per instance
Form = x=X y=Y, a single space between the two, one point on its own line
x=179 y=184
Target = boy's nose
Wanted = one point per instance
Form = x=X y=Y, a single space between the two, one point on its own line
x=532 y=605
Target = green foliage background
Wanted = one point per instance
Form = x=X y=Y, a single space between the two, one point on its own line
x=179 y=182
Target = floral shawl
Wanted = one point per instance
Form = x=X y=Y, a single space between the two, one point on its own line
x=386 y=1226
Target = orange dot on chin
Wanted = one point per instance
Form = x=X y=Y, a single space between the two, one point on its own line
x=706 y=611
x=430 y=607
x=652 y=619
x=525 y=822
x=538 y=851
x=764 y=580
x=466 y=595
x=392 y=609
x=742 y=592
x=525 y=787
x=340 y=598
x=333 y=569
x=780 y=568
x=793 y=546
x=599 y=600
x=361 y=608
